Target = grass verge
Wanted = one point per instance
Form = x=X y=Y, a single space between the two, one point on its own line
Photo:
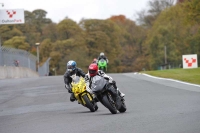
x=187 y=75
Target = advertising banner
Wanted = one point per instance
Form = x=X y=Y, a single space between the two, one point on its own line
x=11 y=16
x=190 y=61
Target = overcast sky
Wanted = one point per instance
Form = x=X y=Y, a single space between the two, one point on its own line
x=57 y=10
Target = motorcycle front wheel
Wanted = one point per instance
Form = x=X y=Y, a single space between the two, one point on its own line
x=108 y=101
x=89 y=103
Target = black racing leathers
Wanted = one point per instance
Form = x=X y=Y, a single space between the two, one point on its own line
x=67 y=77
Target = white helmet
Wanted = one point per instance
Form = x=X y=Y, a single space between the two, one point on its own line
x=101 y=54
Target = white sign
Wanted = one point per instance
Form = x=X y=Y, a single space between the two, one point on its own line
x=12 y=16
x=190 y=61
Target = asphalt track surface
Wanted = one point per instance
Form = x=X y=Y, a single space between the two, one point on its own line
x=41 y=105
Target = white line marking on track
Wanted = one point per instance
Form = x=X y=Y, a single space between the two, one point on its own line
x=171 y=80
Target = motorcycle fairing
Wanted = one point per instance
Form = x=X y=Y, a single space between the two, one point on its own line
x=98 y=84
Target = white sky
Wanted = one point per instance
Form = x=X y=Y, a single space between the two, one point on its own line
x=57 y=10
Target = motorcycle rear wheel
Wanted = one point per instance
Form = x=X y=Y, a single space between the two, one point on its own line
x=88 y=103
x=108 y=101
x=123 y=107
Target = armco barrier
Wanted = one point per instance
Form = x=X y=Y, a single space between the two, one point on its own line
x=16 y=72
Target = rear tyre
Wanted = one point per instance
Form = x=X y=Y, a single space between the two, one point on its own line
x=88 y=103
x=108 y=101
x=123 y=107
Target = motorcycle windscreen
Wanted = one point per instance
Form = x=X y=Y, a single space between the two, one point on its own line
x=98 y=84
x=102 y=60
x=102 y=63
x=75 y=78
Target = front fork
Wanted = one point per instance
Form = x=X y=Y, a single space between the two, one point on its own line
x=88 y=95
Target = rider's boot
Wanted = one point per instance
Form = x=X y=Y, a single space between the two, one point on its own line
x=120 y=93
x=72 y=97
x=95 y=98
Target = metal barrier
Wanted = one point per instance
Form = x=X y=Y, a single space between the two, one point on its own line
x=44 y=69
x=17 y=57
x=22 y=58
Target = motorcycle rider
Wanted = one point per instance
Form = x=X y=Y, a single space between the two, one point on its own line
x=92 y=72
x=95 y=60
x=102 y=56
x=72 y=70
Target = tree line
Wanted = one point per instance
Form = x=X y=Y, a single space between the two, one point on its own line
x=129 y=45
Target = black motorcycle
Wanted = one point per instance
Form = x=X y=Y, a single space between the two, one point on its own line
x=107 y=95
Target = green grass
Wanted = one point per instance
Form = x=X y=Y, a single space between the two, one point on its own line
x=187 y=75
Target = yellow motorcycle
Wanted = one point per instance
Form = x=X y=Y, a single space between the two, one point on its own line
x=81 y=94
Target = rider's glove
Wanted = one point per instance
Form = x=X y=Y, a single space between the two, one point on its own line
x=69 y=91
x=107 y=61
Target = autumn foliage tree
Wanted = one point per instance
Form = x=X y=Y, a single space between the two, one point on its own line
x=129 y=46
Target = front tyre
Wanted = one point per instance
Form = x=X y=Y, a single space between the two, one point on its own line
x=88 y=103
x=108 y=101
x=96 y=107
